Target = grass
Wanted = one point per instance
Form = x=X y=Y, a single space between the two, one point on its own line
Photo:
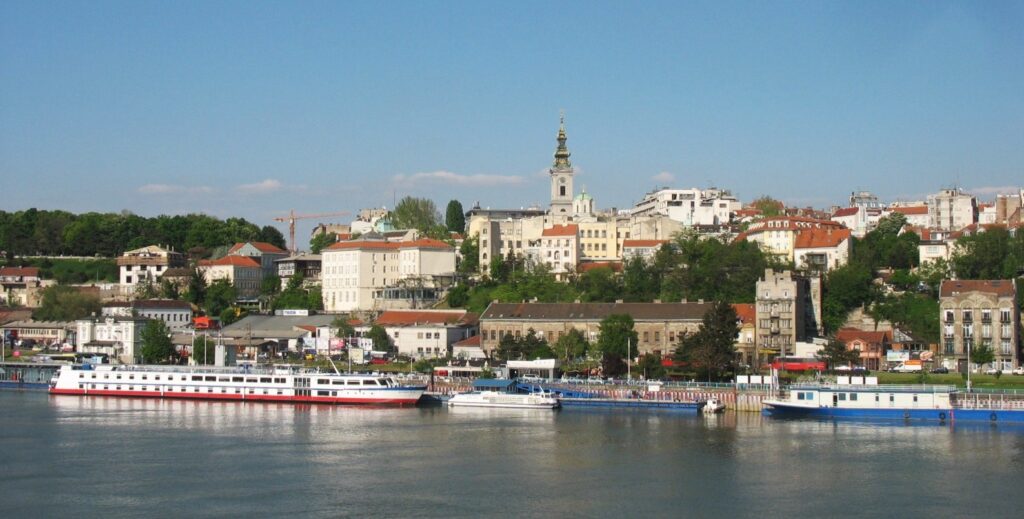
x=979 y=381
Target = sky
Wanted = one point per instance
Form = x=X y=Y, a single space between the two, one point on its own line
x=254 y=108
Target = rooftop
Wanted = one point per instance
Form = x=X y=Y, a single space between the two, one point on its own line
x=596 y=311
x=1000 y=287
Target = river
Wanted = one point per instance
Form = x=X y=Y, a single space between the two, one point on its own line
x=108 y=457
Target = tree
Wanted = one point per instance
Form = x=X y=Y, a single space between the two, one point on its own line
x=157 y=347
x=713 y=347
x=599 y=285
x=230 y=315
x=572 y=345
x=454 y=217
x=618 y=341
x=379 y=336
x=469 y=255
x=834 y=353
x=415 y=213
x=169 y=289
x=768 y=206
x=146 y=289
x=458 y=296
x=344 y=329
x=203 y=350
x=196 y=288
x=64 y=303
x=321 y=241
x=982 y=354
x=650 y=366
x=220 y=295
x=270 y=286
x=273 y=236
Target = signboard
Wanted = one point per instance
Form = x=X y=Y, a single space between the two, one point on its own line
x=927 y=355
x=897 y=356
x=292 y=312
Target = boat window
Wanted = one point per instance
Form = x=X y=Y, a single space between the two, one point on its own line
x=323 y=381
x=93 y=375
x=211 y=379
x=279 y=380
x=252 y=379
x=209 y=390
x=119 y=377
x=892 y=397
x=143 y=377
x=196 y=377
x=238 y=379
x=915 y=398
x=130 y=377
x=338 y=382
x=853 y=396
x=842 y=396
x=799 y=396
x=353 y=382
x=876 y=397
x=323 y=393
x=265 y=379
x=157 y=377
x=224 y=379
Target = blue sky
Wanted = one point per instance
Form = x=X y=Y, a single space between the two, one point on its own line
x=253 y=108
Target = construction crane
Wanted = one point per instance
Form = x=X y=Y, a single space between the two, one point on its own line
x=291 y=222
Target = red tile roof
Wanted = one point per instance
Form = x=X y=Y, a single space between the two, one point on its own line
x=237 y=261
x=26 y=272
x=1000 y=287
x=846 y=335
x=414 y=317
x=470 y=341
x=616 y=266
x=821 y=238
x=562 y=230
x=746 y=312
x=643 y=243
x=911 y=210
x=846 y=211
x=261 y=246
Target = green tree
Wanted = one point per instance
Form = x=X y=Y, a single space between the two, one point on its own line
x=270 y=286
x=834 y=353
x=469 y=255
x=273 y=236
x=573 y=345
x=599 y=285
x=220 y=295
x=203 y=350
x=768 y=206
x=169 y=289
x=230 y=315
x=415 y=213
x=196 y=288
x=713 y=347
x=379 y=336
x=322 y=240
x=146 y=289
x=982 y=354
x=650 y=366
x=618 y=340
x=64 y=303
x=458 y=296
x=846 y=288
x=455 y=218
x=157 y=347
x=344 y=330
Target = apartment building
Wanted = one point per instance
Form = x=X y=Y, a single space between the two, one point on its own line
x=146 y=263
x=951 y=210
x=979 y=313
x=242 y=272
x=788 y=310
x=264 y=253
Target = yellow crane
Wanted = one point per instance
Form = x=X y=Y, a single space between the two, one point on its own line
x=291 y=222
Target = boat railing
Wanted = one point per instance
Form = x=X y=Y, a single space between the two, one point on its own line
x=880 y=388
x=226 y=370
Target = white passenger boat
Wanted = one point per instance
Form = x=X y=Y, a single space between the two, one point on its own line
x=242 y=383
x=500 y=399
x=712 y=406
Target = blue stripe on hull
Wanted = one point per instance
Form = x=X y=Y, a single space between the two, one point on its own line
x=936 y=415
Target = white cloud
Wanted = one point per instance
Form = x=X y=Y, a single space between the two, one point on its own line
x=994 y=190
x=447 y=177
x=171 y=189
x=664 y=177
x=267 y=186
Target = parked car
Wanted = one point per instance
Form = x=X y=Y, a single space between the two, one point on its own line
x=531 y=377
x=940 y=369
x=991 y=371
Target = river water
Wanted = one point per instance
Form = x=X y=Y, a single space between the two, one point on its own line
x=109 y=457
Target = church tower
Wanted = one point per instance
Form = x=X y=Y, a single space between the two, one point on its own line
x=561 y=177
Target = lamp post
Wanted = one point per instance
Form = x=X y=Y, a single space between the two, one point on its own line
x=969 y=366
x=629 y=373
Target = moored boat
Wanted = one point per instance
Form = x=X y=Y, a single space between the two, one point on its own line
x=244 y=384
x=712 y=406
x=509 y=400
x=899 y=402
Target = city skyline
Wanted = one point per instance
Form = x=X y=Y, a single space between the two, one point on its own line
x=254 y=109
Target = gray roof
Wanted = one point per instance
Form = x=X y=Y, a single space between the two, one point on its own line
x=275 y=326
x=595 y=311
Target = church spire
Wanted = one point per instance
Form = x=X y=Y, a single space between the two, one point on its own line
x=562 y=153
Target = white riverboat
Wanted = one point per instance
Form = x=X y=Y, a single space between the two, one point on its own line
x=503 y=393
x=241 y=383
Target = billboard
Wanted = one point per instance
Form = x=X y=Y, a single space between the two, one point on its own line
x=897 y=356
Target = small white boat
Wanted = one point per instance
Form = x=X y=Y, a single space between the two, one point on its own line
x=508 y=400
x=713 y=405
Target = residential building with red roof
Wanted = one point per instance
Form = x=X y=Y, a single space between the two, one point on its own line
x=374 y=274
x=976 y=313
x=779 y=235
x=264 y=253
x=870 y=345
x=821 y=250
x=746 y=314
x=916 y=215
x=146 y=263
x=427 y=333
x=242 y=272
x=20 y=286
x=558 y=248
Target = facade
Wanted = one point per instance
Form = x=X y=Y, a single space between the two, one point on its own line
x=421 y=334
x=263 y=253
x=147 y=263
x=307 y=265
x=951 y=210
x=788 y=311
x=19 y=286
x=558 y=248
x=47 y=333
x=363 y=275
x=691 y=207
x=747 y=337
x=870 y=345
x=645 y=249
x=976 y=313
x=821 y=250
x=242 y=272
x=177 y=315
x=778 y=235
x=916 y=215
x=118 y=337
x=659 y=326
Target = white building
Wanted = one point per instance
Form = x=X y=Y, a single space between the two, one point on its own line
x=375 y=274
x=916 y=215
x=118 y=337
x=147 y=263
x=645 y=249
x=558 y=248
x=265 y=254
x=951 y=210
x=242 y=272
x=427 y=333
x=177 y=315
x=821 y=250
x=691 y=207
